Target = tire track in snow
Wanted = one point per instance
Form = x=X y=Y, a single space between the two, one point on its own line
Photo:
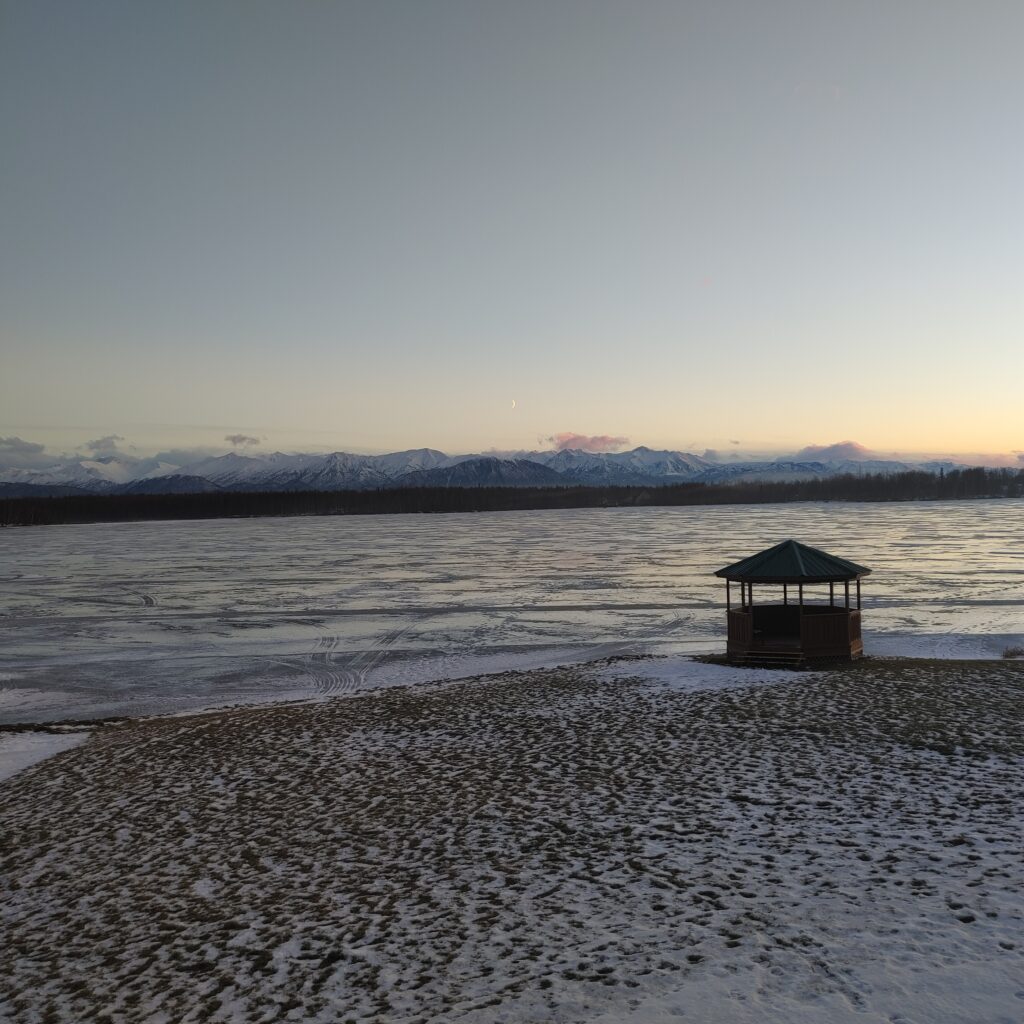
x=333 y=674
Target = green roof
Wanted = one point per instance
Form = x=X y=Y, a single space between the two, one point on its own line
x=792 y=562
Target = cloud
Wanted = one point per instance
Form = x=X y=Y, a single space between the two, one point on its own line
x=733 y=442
x=834 y=452
x=592 y=443
x=104 y=445
x=857 y=452
x=715 y=455
x=241 y=440
x=17 y=453
x=186 y=456
x=19 y=448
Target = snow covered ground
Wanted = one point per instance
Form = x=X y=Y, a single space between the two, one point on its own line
x=20 y=750
x=644 y=841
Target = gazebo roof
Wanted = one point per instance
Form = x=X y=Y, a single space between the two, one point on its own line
x=792 y=562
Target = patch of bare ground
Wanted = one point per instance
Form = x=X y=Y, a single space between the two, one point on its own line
x=527 y=847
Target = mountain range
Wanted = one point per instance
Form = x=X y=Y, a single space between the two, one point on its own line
x=421 y=467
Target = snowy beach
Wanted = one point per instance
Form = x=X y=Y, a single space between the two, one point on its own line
x=645 y=840
x=511 y=513
x=468 y=769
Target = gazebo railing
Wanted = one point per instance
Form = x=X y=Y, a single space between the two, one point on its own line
x=741 y=629
x=814 y=629
x=826 y=632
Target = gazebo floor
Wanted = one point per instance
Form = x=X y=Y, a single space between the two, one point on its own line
x=770 y=659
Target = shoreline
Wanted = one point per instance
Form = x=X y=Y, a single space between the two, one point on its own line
x=22 y=704
x=18 y=738
x=864 y=663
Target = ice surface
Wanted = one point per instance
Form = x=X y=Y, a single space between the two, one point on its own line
x=142 y=618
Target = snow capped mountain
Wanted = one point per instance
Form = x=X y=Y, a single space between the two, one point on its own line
x=648 y=462
x=639 y=466
x=332 y=472
x=234 y=469
x=485 y=472
x=786 y=470
x=427 y=467
x=569 y=460
x=55 y=476
x=111 y=469
x=173 y=484
x=103 y=472
x=337 y=471
x=765 y=472
x=398 y=463
x=862 y=467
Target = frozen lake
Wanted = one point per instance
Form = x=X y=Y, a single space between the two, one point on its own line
x=115 y=619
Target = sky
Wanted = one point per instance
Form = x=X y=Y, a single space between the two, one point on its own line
x=371 y=226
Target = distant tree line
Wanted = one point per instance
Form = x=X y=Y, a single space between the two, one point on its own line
x=910 y=486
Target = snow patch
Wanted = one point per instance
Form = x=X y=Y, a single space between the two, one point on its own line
x=685 y=675
x=20 y=750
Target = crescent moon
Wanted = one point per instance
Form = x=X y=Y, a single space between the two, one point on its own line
x=513 y=403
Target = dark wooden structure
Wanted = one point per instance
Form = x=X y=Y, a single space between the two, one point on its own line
x=796 y=630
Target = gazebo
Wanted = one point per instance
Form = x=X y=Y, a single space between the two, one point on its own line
x=796 y=630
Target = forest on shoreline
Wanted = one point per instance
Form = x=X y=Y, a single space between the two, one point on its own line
x=976 y=482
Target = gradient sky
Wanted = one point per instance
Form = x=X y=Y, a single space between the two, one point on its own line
x=371 y=226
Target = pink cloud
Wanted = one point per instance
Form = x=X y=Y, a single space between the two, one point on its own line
x=853 y=451
x=839 y=450
x=591 y=443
